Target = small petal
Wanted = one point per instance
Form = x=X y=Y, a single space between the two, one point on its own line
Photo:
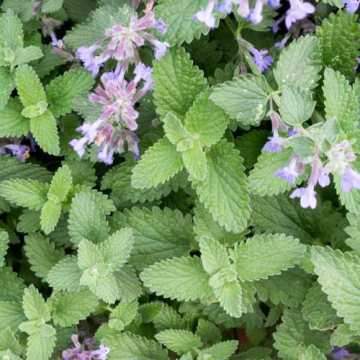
x=261 y=58
x=274 y=145
x=352 y=5
x=298 y=11
x=206 y=16
x=307 y=197
x=349 y=180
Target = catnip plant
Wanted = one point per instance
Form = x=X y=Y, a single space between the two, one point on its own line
x=179 y=179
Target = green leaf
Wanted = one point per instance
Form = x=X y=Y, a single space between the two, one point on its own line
x=178 y=15
x=180 y=278
x=244 y=99
x=299 y=64
x=293 y=336
x=45 y=132
x=127 y=346
x=61 y=184
x=158 y=233
x=26 y=55
x=296 y=106
x=312 y=353
x=123 y=315
x=214 y=256
x=28 y=85
x=11 y=31
x=50 y=215
x=11 y=315
x=7 y=84
x=65 y=275
x=262 y=179
x=340 y=101
x=63 y=90
x=87 y=220
x=41 y=254
x=160 y=163
x=68 y=308
x=34 y=305
x=179 y=341
x=24 y=192
x=12 y=122
x=12 y=287
x=220 y=351
x=339 y=277
x=36 y=110
x=9 y=341
x=206 y=120
x=343 y=335
x=41 y=343
x=195 y=162
x=251 y=257
x=50 y=6
x=353 y=230
x=4 y=244
x=176 y=132
x=177 y=82
x=224 y=192
x=338 y=35
x=208 y=332
x=317 y=310
x=128 y=283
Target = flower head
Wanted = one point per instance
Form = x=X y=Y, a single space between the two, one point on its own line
x=261 y=58
x=255 y=15
x=350 y=179
x=21 y=152
x=291 y=172
x=298 y=10
x=91 y=62
x=307 y=196
x=207 y=15
x=351 y=5
x=85 y=351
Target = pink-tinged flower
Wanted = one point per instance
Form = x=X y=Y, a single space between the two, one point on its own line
x=307 y=196
x=275 y=142
x=351 y=5
x=298 y=10
x=207 y=15
x=350 y=179
x=225 y=7
x=291 y=172
x=85 y=351
x=91 y=62
x=261 y=58
x=22 y=152
x=340 y=353
x=256 y=13
x=243 y=8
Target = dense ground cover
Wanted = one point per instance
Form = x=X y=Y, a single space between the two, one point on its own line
x=179 y=180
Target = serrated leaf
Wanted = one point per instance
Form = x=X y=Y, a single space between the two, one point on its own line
x=7 y=85
x=63 y=90
x=296 y=106
x=177 y=82
x=353 y=230
x=243 y=99
x=251 y=257
x=130 y=346
x=24 y=192
x=343 y=335
x=11 y=315
x=176 y=132
x=4 y=244
x=195 y=162
x=12 y=122
x=179 y=341
x=224 y=192
x=12 y=287
x=50 y=215
x=128 y=283
x=65 y=275
x=68 y=308
x=40 y=344
x=180 y=278
x=338 y=35
x=206 y=120
x=11 y=31
x=339 y=277
x=50 y=6
x=178 y=15
x=317 y=310
x=34 y=305
x=160 y=163
x=45 y=132
x=87 y=219
x=9 y=341
x=312 y=353
x=340 y=101
x=158 y=233
x=208 y=332
x=61 y=184
x=221 y=351
x=214 y=255
x=299 y=64
x=26 y=55
x=123 y=315
x=28 y=85
x=41 y=254
x=293 y=336
x=262 y=179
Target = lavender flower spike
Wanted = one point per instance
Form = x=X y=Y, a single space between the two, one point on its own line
x=20 y=151
x=351 y=5
x=207 y=15
x=261 y=58
x=350 y=179
x=298 y=11
x=291 y=172
x=340 y=353
x=85 y=351
x=307 y=196
x=275 y=143
x=256 y=14
x=91 y=62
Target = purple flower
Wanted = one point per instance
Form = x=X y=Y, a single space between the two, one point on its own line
x=350 y=179
x=91 y=62
x=206 y=15
x=85 y=351
x=307 y=196
x=274 y=3
x=298 y=11
x=351 y=5
x=291 y=172
x=256 y=14
x=340 y=353
x=225 y=7
x=275 y=144
x=22 y=152
x=243 y=8
x=160 y=26
x=261 y=58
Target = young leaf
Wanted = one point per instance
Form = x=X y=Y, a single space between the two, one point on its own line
x=12 y=122
x=7 y=86
x=243 y=99
x=180 y=278
x=221 y=351
x=11 y=31
x=11 y=315
x=160 y=163
x=26 y=55
x=195 y=162
x=251 y=257
x=123 y=315
x=34 y=305
x=61 y=184
x=50 y=215
x=177 y=82
x=41 y=343
x=224 y=192
x=179 y=341
x=299 y=64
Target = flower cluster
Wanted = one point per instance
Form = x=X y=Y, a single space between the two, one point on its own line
x=85 y=351
x=336 y=159
x=116 y=94
x=22 y=152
